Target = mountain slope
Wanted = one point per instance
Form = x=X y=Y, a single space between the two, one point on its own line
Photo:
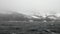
x=12 y=16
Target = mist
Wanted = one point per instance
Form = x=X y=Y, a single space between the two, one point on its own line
x=30 y=7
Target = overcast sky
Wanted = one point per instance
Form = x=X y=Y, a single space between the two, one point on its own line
x=31 y=6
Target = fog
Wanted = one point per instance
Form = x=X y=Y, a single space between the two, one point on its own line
x=30 y=7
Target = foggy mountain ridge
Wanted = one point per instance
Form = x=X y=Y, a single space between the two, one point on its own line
x=5 y=12
x=14 y=16
x=10 y=15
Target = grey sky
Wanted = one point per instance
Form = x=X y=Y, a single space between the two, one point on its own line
x=31 y=6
